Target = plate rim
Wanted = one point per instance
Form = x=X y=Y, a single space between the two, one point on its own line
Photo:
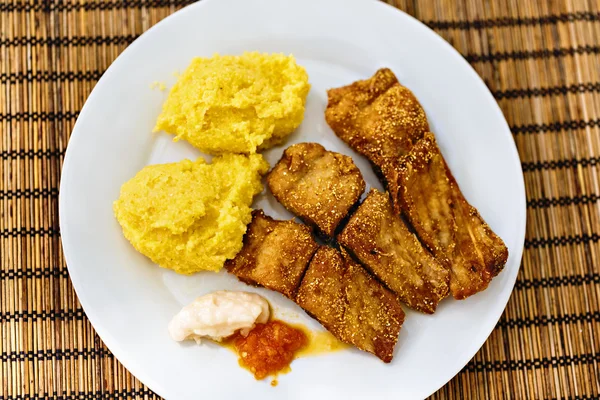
x=111 y=342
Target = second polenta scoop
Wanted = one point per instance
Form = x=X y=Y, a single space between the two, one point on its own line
x=236 y=104
x=191 y=216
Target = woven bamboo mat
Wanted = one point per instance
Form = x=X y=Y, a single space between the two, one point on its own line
x=539 y=58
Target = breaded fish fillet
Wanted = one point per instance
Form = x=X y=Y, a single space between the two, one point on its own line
x=350 y=303
x=319 y=186
x=452 y=229
x=275 y=254
x=380 y=239
x=378 y=118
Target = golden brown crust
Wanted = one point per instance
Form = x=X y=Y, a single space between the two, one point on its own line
x=321 y=292
x=383 y=243
x=350 y=303
x=377 y=117
x=444 y=220
x=383 y=121
x=380 y=119
x=275 y=254
x=319 y=186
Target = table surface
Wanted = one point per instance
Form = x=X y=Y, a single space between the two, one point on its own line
x=541 y=61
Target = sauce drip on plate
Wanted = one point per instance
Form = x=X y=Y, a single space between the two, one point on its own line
x=319 y=342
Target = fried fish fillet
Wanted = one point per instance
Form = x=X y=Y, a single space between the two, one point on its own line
x=382 y=120
x=382 y=242
x=350 y=303
x=378 y=118
x=452 y=229
x=275 y=254
x=318 y=185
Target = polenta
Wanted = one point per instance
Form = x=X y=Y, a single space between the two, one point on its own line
x=236 y=104
x=190 y=216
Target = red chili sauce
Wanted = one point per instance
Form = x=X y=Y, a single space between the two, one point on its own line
x=269 y=348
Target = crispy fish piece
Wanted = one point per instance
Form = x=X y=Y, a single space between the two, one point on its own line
x=378 y=118
x=444 y=220
x=350 y=303
x=383 y=121
x=275 y=254
x=318 y=185
x=382 y=242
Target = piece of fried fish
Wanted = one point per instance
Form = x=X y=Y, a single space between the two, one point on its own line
x=381 y=241
x=445 y=222
x=318 y=185
x=275 y=254
x=378 y=118
x=350 y=303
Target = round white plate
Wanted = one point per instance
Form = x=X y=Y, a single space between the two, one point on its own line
x=129 y=300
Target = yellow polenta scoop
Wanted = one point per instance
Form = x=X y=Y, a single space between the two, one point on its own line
x=236 y=104
x=191 y=216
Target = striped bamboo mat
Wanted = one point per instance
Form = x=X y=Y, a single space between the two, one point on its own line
x=541 y=60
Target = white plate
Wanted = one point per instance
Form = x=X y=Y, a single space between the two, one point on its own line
x=130 y=301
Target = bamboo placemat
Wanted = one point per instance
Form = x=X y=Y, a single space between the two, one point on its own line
x=539 y=58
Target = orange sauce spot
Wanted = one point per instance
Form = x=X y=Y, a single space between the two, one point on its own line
x=269 y=348
x=319 y=342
